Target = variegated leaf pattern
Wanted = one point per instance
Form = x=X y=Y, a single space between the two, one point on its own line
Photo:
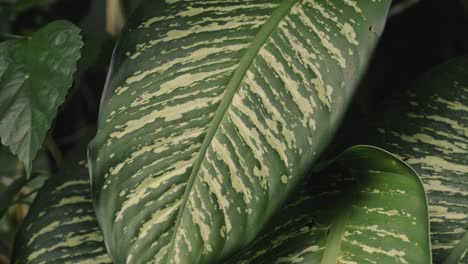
x=61 y=226
x=428 y=128
x=212 y=112
x=367 y=207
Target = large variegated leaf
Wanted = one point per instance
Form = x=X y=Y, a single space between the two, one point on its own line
x=429 y=129
x=367 y=207
x=61 y=226
x=212 y=112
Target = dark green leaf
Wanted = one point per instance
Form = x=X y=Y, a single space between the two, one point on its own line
x=213 y=112
x=35 y=75
x=428 y=128
x=7 y=196
x=61 y=226
x=367 y=207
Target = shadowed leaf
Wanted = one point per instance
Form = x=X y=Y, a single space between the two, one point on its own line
x=61 y=226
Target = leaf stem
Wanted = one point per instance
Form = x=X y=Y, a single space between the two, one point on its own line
x=8 y=36
x=54 y=150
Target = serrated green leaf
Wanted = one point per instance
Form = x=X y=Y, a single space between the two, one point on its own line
x=212 y=113
x=35 y=75
x=367 y=207
x=428 y=128
x=61 y=226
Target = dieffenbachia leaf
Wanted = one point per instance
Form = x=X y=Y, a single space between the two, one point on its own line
x=35 y=74
x=367 y=207
x=61 y=226
x=428 y=128
x=212 y=112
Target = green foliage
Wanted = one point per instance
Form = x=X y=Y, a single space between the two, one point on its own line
x=341 y=216
x=215 y=133
x=61 y=226
x=427 y=127
x=205 y=129
x=16 y=193
x=35 y=75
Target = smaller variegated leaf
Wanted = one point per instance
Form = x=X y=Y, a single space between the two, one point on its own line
x=428 y=128
x=366 y=207
x=61 y=226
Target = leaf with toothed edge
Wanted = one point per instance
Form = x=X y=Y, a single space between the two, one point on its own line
x=35 y=75
x=212 y=113
x=366 y=207
x=61 y=226
x=428 y=128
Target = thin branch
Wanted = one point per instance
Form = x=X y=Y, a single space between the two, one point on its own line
x=8 y=36
x=54 y=150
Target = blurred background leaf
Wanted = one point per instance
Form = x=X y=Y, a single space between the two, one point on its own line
x=61 y=226
x=11 y=170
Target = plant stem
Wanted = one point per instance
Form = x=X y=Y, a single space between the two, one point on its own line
x=8 y=36
x=54 y=150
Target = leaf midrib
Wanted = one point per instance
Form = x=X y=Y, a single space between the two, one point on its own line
x=232 y=87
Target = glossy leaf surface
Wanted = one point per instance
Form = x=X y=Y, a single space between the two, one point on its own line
x=212 y=113
x=367 y=207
